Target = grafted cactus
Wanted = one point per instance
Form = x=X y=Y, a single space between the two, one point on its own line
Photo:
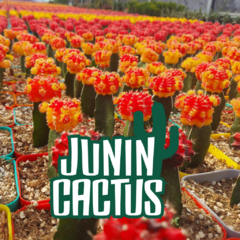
x=75 y=64
x=40 y=89
x=164 y=87
x=131 y=102
x=170 y=169
x=190 y=65
x=88 y=94
x=196 y=116
x=105 y=85
x=235 y=129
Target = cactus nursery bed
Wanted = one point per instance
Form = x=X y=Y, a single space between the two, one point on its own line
x=68 y=71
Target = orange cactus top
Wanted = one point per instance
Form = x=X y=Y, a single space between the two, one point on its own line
x=43 y=89
x=172 y=56
x=10 y=34
x=149 y=56
x=88 y=48
x=45 y=67
x=191 y=63
x=102 y=58
x=129 y=39
x=205 y=56
x=136 y=77
x=223 y=62
x=107 y=83
x=126 y=61
x=62 y=114
x=214 y=80
x=4 y=41
x=236 y=106
x=27 y=37
x=196 y=109
x=156 y=68
x=76 y=41
x=76 y=62
x=18 y=47
x=126 y=50
x=57 y=42
x=131 y=102
x=176 y=73
x=31 y=60
x=236 y=68
x=88 y=75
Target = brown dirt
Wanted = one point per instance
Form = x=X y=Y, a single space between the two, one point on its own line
x=8 y=191
x=217 y=195
x=210 y=164
x=34 y=224
x=24 y=141
x=20 y=87
x=3 y=226
x=228 y=118
x=5 y=142
x=24 y=115
x=35 y=185
x=197 y=223
x=6 y=99
x=7 y=87
x=23 y=99
x=222 y=144
x=6 y=118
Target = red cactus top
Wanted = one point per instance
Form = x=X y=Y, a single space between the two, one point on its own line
x=131 y=102
x=43 y=89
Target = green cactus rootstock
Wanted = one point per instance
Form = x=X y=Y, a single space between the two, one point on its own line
x=172 y=193
x=234 y=129
x=77 y=88
x=40 y=127
x=50 y=52
x=69 y=82
x=233 y=90
x=167 y=104
x=104 y=115
x=235 y=199
x=201 y=142
x=53 y=135
x=23 y=69
x=114 y=62
x=190 y=82
x=88 y=96
x=1 y=78
x=216 y=118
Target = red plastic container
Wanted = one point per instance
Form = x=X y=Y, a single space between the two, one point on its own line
x=45 y=206
x=10 y=84
x=233 y=239
x=200 y=206
x=32 y=157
